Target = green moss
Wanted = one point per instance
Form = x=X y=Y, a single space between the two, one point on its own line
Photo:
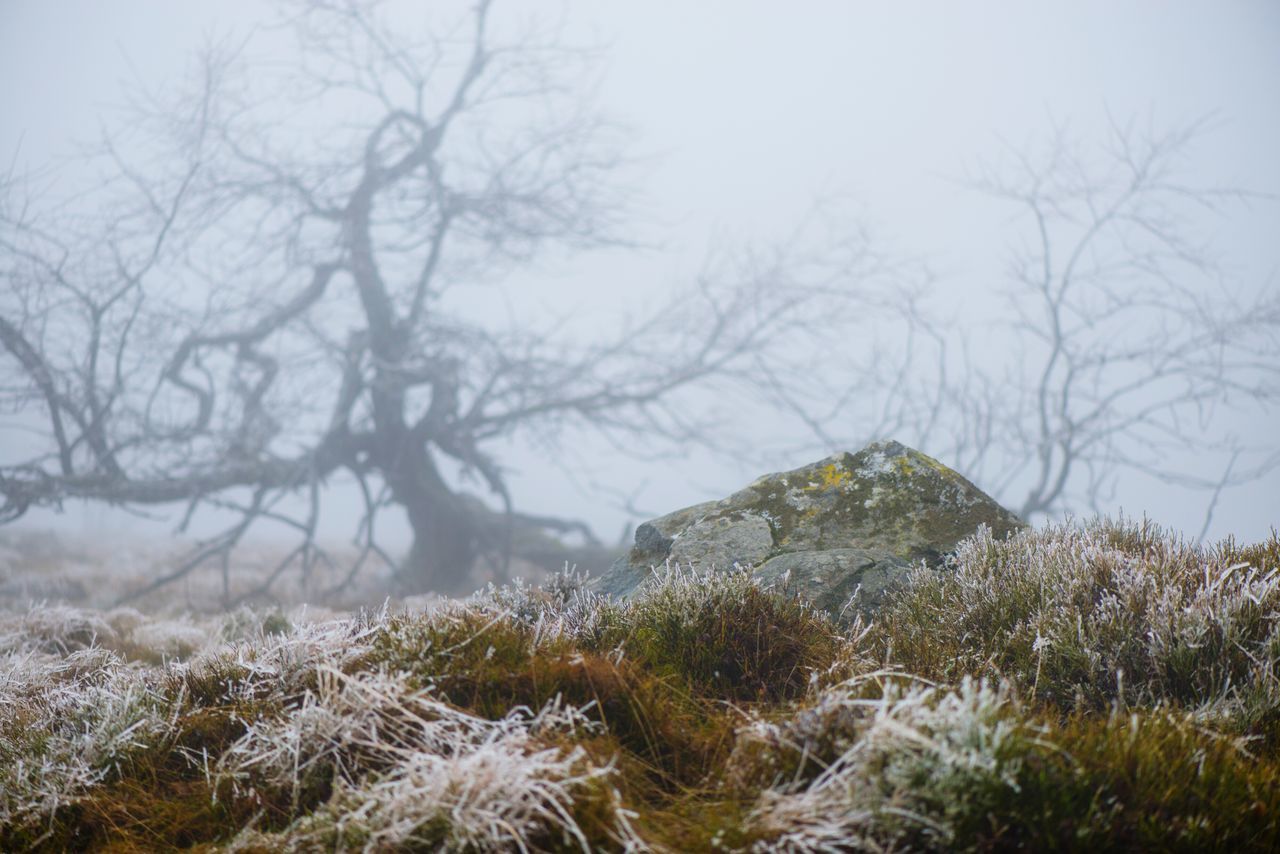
x=131 y=815
x=789 y=502
x=700 y=820
x=1143 y=781
x=901 y=506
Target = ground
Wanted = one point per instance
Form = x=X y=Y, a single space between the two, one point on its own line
x=1091 y=686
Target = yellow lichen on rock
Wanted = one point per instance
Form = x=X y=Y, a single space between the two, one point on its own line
x=830 y=476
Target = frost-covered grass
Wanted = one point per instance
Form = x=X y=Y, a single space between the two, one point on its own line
x=97 y=572
x=1085 y=617
x=889 y=763
x=1098 y=686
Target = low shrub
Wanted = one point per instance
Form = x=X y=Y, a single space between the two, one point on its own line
x=1085 y=616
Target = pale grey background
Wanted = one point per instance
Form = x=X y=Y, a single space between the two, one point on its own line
x=750 y=110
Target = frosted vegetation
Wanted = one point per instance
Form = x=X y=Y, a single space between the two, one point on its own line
x=1097 y=685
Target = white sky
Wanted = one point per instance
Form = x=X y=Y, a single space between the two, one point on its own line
x=754 y=108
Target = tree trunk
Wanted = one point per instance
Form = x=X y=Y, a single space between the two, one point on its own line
x=444 y=533
x=444 y=547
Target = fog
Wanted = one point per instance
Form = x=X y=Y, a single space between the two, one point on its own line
x=739 y=122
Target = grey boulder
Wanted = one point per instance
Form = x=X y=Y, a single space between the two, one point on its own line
x=851 y=522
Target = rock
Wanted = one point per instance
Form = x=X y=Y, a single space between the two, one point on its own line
x=723 y=540
x=829 y=578
x=655 y=538
x=852 y=519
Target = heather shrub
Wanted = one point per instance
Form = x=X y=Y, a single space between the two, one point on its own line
x=1084 y=616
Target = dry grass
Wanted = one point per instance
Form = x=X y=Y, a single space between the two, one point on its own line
x=1101 y=685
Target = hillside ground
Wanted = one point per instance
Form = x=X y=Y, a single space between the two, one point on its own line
x=1101 y=685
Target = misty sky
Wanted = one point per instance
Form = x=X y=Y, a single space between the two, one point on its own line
x=746 y=113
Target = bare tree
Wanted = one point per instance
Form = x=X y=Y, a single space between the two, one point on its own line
x=290 y=274
x=1115 y=345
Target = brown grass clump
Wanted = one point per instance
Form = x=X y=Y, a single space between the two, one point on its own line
x=491 y=664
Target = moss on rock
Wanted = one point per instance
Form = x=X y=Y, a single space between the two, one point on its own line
x=886 y=500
